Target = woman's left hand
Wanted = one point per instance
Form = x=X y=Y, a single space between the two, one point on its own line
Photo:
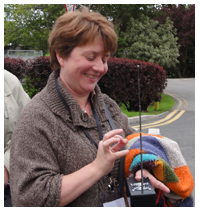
x=155 y=183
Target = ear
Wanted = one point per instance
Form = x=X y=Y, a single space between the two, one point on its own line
x=60 y=59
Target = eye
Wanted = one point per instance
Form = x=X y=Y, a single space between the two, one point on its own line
x=90 y=58
x=104 y=60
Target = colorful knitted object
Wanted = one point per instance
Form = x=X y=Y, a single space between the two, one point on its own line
x=163 y=158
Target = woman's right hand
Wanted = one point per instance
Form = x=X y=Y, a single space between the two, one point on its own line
x=107 y=154
x=73 y=185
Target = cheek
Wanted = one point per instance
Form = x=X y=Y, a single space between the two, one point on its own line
x=105 y=69
x=102 y=74
x=85 y=65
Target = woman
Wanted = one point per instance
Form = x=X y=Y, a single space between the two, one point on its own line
x=54 y=162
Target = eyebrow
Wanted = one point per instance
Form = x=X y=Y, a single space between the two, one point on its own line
x=107 y=54
x=91 y=51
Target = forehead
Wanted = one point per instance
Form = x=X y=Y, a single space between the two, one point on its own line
x=96 y=45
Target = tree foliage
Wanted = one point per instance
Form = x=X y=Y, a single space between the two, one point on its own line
x=183 y=18
x=29 y=25
x=120 y=15
x=150 y=41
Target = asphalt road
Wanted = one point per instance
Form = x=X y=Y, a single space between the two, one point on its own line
x=178 y=124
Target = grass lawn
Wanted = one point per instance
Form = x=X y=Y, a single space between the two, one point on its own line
x=165 y=104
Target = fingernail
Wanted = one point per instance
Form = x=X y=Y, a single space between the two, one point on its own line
x=137 y=177
x=118 y=139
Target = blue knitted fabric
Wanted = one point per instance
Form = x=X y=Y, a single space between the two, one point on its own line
x=151 y=145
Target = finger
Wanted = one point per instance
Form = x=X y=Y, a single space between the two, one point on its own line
x=112 y=133
x=122 y=140
x=154 y=182
x=111 y=141
x=138 y=175
x=119 y=145
x=146 y=173
x=160 y=185
x=120 y=154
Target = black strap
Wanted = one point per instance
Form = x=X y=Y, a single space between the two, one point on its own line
x=98 y=125
x=89 y=137
x=97 y=121
x=60 y=95
x=121 y=166
x=110 y=118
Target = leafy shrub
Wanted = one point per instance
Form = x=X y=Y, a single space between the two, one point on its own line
x=33 y=73
x=121 y=82
x=29 y=87
x=15 y=66
x=37 y=73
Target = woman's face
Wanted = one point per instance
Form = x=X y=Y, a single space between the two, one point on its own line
x=83 y=68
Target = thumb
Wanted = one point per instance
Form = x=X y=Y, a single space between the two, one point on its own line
x=138 y=175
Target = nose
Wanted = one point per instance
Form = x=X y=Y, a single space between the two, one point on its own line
x=99 y=65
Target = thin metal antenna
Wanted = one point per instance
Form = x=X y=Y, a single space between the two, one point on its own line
x=140 y=128
x=141 y=195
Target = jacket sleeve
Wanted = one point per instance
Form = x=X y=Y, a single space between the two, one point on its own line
x=15 y=99
x=20 y=96
x=7 y=159
x=35 y=177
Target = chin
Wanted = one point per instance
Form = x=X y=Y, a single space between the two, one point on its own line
x=90 y=89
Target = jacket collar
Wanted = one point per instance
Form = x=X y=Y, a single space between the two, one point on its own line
x=78 y=117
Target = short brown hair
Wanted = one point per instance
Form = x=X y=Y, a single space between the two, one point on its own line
x=78 y=28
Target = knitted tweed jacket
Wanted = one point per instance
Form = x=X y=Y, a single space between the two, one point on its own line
x=47 y=144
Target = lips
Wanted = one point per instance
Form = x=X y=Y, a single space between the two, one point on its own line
x=91 y=76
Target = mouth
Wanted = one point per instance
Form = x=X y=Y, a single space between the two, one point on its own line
x=90 y=76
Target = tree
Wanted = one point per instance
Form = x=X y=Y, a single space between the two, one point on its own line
x=120 y=15
x=183 y=18
x=29 y=25
x=150 y=41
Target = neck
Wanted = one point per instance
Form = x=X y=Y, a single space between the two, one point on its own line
x=81 y=99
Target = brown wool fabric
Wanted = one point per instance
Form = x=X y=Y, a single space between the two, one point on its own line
x=46 y=146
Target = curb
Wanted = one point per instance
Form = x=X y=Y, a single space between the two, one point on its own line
x=144 y=118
